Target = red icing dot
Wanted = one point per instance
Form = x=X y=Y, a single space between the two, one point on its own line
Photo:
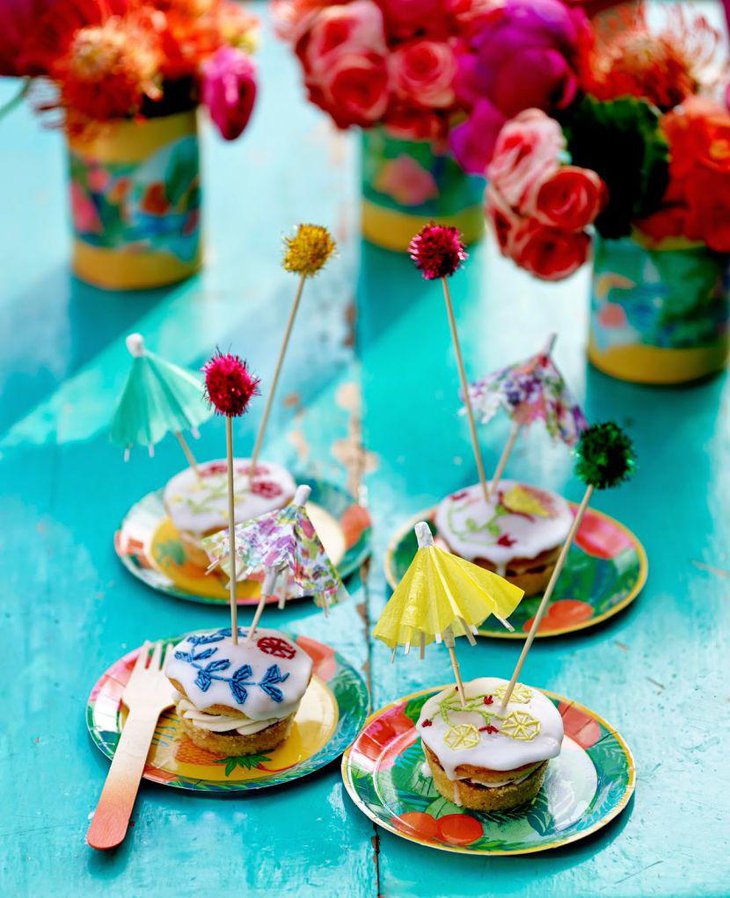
x=488 y=700
x=273 y=645
x=427 y=723
x=266 y=488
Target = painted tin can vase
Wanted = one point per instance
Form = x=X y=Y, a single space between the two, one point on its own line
x=659 y=315
x=406 y=184
x=135 y=202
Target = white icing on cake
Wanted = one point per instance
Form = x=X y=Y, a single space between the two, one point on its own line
x=520 y=521
x=199 y=504
x=220 y=723
x=264 y=679
x=528 y=731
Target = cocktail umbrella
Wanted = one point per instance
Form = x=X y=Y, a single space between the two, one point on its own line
x=229 y=387
x=440 y=597
x=438 y=252
x=529 y=391
x=158 y=398
x=276 y=542
x=306 y=254
x=605 y=458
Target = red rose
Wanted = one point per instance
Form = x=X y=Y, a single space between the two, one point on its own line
x=405 y=18
x=708 y=212
x=354 y=90
x=423 y=73
x=503 y=220
x=569 y=199
x=548 y=253
x=411 y=123
x=336 y=28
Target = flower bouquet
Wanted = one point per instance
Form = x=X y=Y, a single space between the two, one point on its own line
x=125 y=78
x=637 y=167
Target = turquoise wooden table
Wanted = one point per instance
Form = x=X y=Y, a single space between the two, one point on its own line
x=368 y=400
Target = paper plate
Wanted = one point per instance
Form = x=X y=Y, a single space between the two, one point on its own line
x=585 y=787
x=605 y=571
x=149 y=546
x=332 y=711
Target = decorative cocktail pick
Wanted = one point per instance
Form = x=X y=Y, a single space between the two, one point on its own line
x=306 y=253
x=158 y=398
x=605 y=458
x=529 y=391
x=278 y=542
x=229 y=387
x=438 y=252
x=442 y=596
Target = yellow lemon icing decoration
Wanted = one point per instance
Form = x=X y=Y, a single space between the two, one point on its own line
x=525 y=501
x=521 y=695
x=465 y=735
x=520 y=725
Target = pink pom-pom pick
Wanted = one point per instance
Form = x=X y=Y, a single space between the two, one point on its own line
x=437 y=251
x=229 y=385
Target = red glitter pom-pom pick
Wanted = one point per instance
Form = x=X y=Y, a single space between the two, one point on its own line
x=229 y=385
x=437 y=251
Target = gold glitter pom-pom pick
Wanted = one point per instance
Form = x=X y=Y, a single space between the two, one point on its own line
x=305 y=254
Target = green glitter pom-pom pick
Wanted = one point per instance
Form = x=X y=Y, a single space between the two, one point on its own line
x=605 y=456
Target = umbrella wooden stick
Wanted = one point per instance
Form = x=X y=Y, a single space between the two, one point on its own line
x=301 y=497
x=465 y=389
x=231 y=533
x=188 y=452
x=548 y=593
x=499 y=470
x=449 y=643
x=267 y=590
x=275 y=380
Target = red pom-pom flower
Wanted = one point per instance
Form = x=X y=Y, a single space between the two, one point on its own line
x=437 y=251
x=229 y=385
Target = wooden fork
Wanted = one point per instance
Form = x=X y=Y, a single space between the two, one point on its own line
x=146 y=696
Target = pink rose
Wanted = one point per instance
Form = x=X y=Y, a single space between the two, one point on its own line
x=548 y=253
x=338 y=29
x=569 y=199
x=354 y=89
x=229 y=90
x=423 y=72
x=525 y=154
x=503 y=219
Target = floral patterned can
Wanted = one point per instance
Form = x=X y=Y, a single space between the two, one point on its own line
x=406 y=184
x=659 y=315
x=135 y=202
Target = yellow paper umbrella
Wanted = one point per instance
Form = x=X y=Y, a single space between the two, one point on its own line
x=442 y=596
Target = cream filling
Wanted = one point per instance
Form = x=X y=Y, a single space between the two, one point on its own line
x=493 y=784
x=221 y=723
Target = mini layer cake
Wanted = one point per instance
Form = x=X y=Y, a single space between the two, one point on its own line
x=483 y=757
x=198 y=505
x=518 y=534
x=238 y=699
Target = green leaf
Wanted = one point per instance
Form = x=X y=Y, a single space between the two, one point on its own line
x=171 y=550
x=622 y=142
x=247 y=762
x=539 y=816
x=182 y=169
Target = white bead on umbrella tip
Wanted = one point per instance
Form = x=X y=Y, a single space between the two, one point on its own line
x=423 y=535
x=301 y=497
x=135 y=345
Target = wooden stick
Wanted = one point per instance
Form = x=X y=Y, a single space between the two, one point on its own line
x=231 y=533
x=188 y=452
x=548 y=592
x=465 y=390
x=275 y=380
x=499 y=470
x=457 y=672
x=267 y=590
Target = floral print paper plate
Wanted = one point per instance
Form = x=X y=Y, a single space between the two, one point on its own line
x=330 y=716
x=149 y=546
x=585 y=787
x=605 y=571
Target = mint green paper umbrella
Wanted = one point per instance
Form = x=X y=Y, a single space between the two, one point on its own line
x=158 y=398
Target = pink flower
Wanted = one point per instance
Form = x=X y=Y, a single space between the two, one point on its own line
x=569 y=199
x=406 y=18
x=229 y=90
x=406 y=181
x=423 y=72
x=345 y=65
x=526 y=153
x=523 y=54
x=548 y=253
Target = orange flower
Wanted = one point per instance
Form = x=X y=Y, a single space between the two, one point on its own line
x=109 y=69
x=664 y=66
